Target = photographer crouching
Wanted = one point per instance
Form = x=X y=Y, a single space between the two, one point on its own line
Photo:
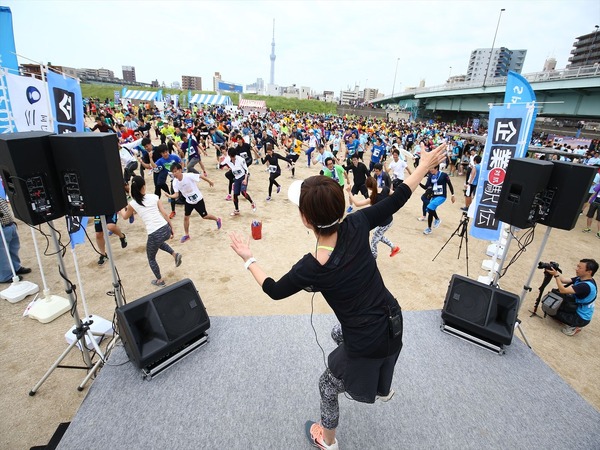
x=580 y=296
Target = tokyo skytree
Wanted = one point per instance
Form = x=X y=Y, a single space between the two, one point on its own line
x=272 y=78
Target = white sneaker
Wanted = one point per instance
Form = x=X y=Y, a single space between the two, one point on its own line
x=385 y=398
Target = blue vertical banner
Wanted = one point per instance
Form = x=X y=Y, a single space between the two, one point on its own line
x=8 y=61
x=66 y=103
x=508 y=137
x=518 y=91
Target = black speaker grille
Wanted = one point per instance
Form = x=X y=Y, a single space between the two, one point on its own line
x=180 y=311
x=468 y=301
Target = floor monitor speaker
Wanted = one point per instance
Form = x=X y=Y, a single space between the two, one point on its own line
x=89 y=167
x=29 y=177
x=567 y=189
x=480 y=310
x=521 y=199
x=161 y=323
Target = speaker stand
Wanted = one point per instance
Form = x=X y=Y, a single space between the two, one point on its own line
x=463 y=231
x=82 y=329
x=118 y=298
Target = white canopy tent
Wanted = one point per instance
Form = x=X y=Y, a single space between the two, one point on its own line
x=208 y=99
x=144 y=96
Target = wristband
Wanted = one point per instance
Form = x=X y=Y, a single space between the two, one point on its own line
x=250 y=261
x=556 y=276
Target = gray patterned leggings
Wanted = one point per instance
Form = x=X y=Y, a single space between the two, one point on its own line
x=330 y=387
x=378 y=236
x=157 y=240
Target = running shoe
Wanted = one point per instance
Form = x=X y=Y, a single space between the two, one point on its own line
x=421 y=219
x=349 y=210
x=219 y=223
x=587 y=230
x=385 y=398
x=158 y=283
x=132 y=219
x=314 y=433
x=185 y=238
x=278 y=189
x=598 y=235
x=268 y=199
x=253 y=207
x=427 y=231
x=236 y=212
x=228 y=198
x=172 y=214
x=571 y=331
x=124 y=240
x=178 y=259
x=102 y=260
x=395 y=251
x=436 y=223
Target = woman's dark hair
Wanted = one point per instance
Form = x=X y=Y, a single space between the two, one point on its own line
x=371 y=183
x=269 y=146
x=137 y=183
x=322 y=203
x=232 y=152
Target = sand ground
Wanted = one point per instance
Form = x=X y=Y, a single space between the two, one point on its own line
x=28 y=348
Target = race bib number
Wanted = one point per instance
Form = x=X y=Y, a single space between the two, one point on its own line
x=272 y=169
x=437 y=189
x=193 y=198
x=238 y=173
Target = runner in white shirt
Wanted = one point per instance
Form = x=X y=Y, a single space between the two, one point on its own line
x=396 y=169
x=186 y=183
x=240 y=172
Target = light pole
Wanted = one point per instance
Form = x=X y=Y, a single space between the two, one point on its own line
x=591 y=46
x=395 y=73
x=449 y=74
x=492 y=49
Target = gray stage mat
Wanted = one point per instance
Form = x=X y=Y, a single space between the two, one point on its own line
x=255 y=384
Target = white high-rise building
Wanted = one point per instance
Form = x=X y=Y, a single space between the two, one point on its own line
x=487 y=63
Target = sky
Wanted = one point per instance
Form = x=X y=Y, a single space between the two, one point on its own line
x=324 y=45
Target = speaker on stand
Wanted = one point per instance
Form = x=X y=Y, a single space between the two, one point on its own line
x=521 y=198
x=27 y=170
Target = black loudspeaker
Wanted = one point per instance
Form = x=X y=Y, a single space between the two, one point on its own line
x=480 y=310
x=89 y=168
x=568 y=186
x=162 y=322
x=521 y=199
x=29 y=177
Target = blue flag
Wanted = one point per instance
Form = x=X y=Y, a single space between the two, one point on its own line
x=509 y=130
x=518 y=89
x=76 y=226
x=8 y=60
x=66 y=103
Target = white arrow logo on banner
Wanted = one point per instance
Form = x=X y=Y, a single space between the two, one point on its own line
x=66 y=106
x=504 y=131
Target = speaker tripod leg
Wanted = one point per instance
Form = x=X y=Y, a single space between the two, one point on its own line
x=520 y=328
x=55 y=365
x=98 y=364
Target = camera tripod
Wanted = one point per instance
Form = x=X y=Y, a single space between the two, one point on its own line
x=463 y=231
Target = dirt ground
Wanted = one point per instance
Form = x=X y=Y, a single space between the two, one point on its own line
x=29 y=348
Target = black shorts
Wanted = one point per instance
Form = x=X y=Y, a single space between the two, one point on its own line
x=200 y=207
x=110 y=218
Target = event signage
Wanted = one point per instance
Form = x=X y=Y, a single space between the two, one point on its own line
x=29 y=103
x=509 y=130
x=8 y=61
x=66 y=103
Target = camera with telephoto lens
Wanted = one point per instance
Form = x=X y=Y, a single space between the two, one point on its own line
x=549 y=265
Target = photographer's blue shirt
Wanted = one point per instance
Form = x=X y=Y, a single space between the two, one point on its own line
x=585 y=296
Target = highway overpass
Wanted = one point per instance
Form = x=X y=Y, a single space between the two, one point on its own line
x=563 y=93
